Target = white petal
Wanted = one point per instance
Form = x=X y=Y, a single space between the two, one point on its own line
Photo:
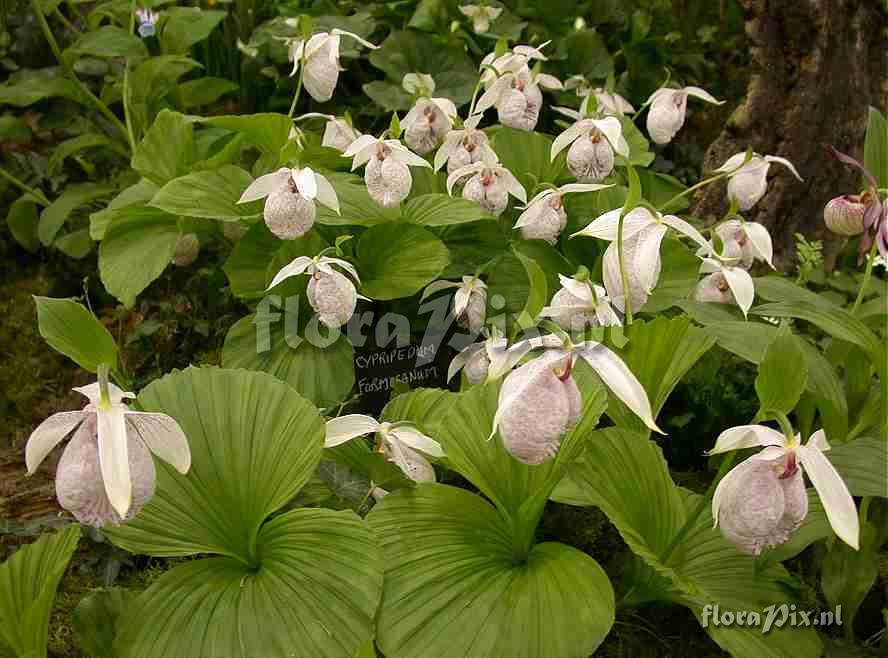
x=163 y=436
x=49 y=434
x=514 y=188
x=305 y=182
x=344 y=264
x=818 y=440
x=265 y=185
x=761 y=241
x=402 y=154
x=361 y=143
x=722 y=487
x=568 y=112
x=647 y=263
x=446 y=106
x=549 y=81
x=733 y=163
x=785 y=163
x=606 y=226
x=580 y=289
x=613 y=131
x=326 y=193
x=747 y=436
x=461 y=173
x=687 y=229
x=836 y=499
x=566 y=138
x=345 y=428
x=296 y=267
x=451 y=142
x=460 y=360
x=92 y=391
x=354 y=36
x=571 y=188
x=742 y=287
x=114 y=457
x=702 y=94
x=413 y=438
x=437 y=286
x=412 y=464
x=617 y=376
x=461 y=300
x=490 y=97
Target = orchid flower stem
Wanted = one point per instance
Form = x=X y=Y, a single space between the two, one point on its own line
x=785 y=425
x=648 y=101
x=126 y=86
x=866 y=279
x=66 y=67
x=692 y=188
x=34 y=192
x=624 y=279
x=475 y=96
x=298 y=92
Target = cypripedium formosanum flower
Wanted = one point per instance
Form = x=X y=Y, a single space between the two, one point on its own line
x=483 y=361
x=430 y=119
x=469 y=301
x=481 y=16
x=387 y=171
x=748 y=179
x=762 y=501
x=331 y=294
x=668 y=108
x=579 y=305
x=544 y=217
x=592 y=143
x=517 y=97
x=464 y=146
x=106 y=474
x=338 y=133
x=743 y=242
x=320 y=58
x=512 y=61
x=725 y=284
x=401 y=443
x=545 y=383
x=489 y=184
x=290 y=197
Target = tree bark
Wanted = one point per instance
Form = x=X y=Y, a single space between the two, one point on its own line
x=817 y=66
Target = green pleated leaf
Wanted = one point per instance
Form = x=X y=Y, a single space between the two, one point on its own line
x=398 y=260
x=356 y=208
x=442 y=210
x=56 y=214
x=454 y=588
x=659 y=353
x=72 y=330
x=185 y=27
x=28 y=582
x=135 y=195
x=782 y=374
x=204 y=91
x=254 y=443
x=313 y=591
x=73 y=146
x=22 y=222
x=97 y=619
x=136 y=249
x=863 y=465
x=323 y=373
x=268 y=132
x=247 y=266
x=108 y=41
x=624 y=474
x=167 y=150
x=875 y=152
x=526 y=155
x=210 y=194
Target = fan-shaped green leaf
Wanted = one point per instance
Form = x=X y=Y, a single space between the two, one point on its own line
x=356 y=207
x=398 y=260
x=71 y=329
x=526 y=155
x=442 y=210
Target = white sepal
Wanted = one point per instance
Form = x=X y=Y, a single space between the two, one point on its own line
x=345 y=428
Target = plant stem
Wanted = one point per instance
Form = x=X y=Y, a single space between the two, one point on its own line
x=66 y=67
x=36 y=193
x=866 y=279
x=298 y=92
x=785 y=425
x=126 y=88
x=693 y=188
x=624 y=279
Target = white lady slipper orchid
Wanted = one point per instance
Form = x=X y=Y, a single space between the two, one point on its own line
x=517 y=97
x=643 y=232
x=844 y=215
x=745 y=242
x=464 y=146
x=290 y=196
x=481 y=16
x=320 y=57
x=544 y=216
x=539 y=401
x=428 y=122
x=489 y=184
x=338 y=133
x=593 y=143
x=512 y=61
x=762 y=501
x=725 y=284
x=668 y=108
x=608 y=103
x=387 y=171
x=400 y=442
x=187 y=250
x=331 y=294
x=106 y=474
x=580 y=304
x=748 y=180
x=469 y=301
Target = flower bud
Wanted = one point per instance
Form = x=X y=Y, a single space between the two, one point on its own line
x=476 y=366
x=749 y=185
x=426 y=127
x=80 y=488
x=762 y=504
x=736 y=243
x=338 y=135
x=844 y=215
x=638 y=294
x=288 y=214
x=532 y=425
x=544 y=220
x=475 y=312
x=519 y=107
x=388 y=180
x=590 y=158
x=234 y=231
x=333 y=297
x=187 y=250
x=486 y=189
x=666 y=115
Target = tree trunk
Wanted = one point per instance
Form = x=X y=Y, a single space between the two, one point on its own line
x=817 y=66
